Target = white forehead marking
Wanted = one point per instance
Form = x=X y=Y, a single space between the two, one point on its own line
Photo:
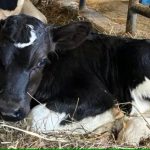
x=32 y=38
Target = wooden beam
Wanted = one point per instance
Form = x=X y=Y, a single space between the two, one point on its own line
x=135 y=8
x=82 y=4
x=142 y=10
x=131 y=17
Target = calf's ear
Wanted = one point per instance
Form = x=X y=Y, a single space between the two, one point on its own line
x=71 y=36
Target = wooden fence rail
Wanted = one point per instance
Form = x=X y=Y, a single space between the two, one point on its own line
x=82 y=4
x=135 y=8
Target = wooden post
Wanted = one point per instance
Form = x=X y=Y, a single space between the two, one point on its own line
x=131 y=17
x=142 y=10
x=82 y=4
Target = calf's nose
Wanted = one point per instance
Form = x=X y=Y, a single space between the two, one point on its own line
x=15 y=115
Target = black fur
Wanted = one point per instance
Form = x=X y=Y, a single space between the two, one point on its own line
x=98 y=73
x=17 y=65
x=88 y=72
x=21 y=67
x=8 y=4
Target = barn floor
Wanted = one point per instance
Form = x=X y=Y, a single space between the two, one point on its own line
x=116 y=10
x=16 y=135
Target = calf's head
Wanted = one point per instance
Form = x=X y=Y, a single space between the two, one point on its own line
x=24 y=45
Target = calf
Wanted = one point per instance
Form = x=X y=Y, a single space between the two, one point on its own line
x=81 y=86
x=15 y=7
x=86 y=75
x=24 y=46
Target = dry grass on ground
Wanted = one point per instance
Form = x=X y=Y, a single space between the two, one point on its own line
x=57 y=15
x=16 y=135
x=13 y=138
x=116 y=10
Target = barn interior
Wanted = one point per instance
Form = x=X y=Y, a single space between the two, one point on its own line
x=17 y=135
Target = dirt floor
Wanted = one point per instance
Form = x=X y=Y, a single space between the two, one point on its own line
x=16 y=135
x=116 y=10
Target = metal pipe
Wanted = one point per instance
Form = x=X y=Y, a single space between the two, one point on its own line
x=131 y=17
x=82 y=4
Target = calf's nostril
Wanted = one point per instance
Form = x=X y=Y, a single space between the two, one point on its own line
x=15 y=114
x=18 y=113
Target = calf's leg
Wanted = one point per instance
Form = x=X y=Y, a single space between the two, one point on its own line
x=135 y=129
x=75 y=116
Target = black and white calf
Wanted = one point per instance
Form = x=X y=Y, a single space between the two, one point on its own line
x=84 y=83
x=79 y=75
x=24 y=46
x=15 y=7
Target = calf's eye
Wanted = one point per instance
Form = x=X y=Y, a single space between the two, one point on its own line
x=42 y=63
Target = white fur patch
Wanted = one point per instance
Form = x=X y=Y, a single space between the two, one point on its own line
x=6 y=13
x=135 y=129
x=142 y=90
x=32 y=38
x=43 y=120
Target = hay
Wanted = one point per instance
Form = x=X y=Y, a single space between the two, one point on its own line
x=58 y=15
x=16 y=135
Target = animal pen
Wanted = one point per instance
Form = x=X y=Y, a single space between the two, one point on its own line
x=134 y=8
x=17 y=135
